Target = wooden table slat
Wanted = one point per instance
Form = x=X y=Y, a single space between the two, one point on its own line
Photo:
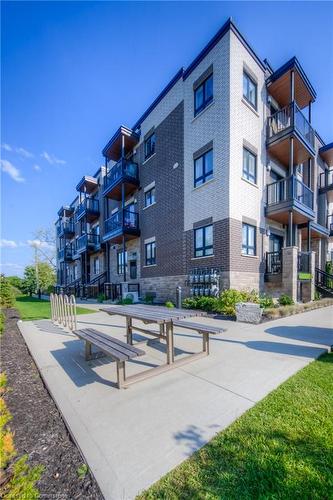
x=126 y=348
x=102 y=345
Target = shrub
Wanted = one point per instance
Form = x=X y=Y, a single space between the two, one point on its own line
x=224 y=304
x=149 y=298
x=23 y=480
x=101 y=297
x=285 y=300
x=266 y=301
x=126 y=301
x=317 y=295
x=6 y=293
x=169 y=304
x=191 y=303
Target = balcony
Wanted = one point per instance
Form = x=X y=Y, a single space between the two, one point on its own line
x=330 y=224
x=66 y=229
x=325 y=184
x=123 y=172
x=88 y=208
x=65 y=254
x=88 y=243
x=289 y=194
x=122 y=223
x=286 y=123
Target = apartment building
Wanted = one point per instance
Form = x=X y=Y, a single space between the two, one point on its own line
x=223 y=182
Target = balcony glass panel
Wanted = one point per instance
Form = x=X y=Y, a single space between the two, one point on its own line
x=289 y=189
x=290 y=116
x=121 y=221
x=122 y=169
x=88 y=205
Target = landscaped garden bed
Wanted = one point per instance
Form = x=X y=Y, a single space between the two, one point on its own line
x=281 y=448
x=38 y=431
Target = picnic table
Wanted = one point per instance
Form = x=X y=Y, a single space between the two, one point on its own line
x=165 y=318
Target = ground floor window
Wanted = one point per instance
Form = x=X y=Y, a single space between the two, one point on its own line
x=150 y=253
x=248 y=240
x=203 y=241
x=121 y=262
x=96 y=265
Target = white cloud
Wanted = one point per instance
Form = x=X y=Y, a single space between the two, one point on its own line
x=6 y=147
x=40 y=244
x=53 y=160
x=37 y=168
x=12 y=171
x=8 y=243
x=23 y=152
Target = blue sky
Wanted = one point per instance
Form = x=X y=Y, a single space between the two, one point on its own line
x=72 y=72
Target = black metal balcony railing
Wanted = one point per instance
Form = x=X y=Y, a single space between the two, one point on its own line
x=326 y=179
x=86 y=241
x=88 y=205
x=290 y=117
x=65 y=253
x=65 y=228
x=288 y=189
x=122 y=170
x=122 y=221
x=274 y=262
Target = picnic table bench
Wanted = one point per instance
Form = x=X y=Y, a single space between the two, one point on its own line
x=204 y=330
x=117 y=350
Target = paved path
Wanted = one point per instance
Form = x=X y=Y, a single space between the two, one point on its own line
x=130 y=438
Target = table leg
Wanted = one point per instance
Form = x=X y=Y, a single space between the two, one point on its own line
x=121 y=377
x=88 y=352
x=205 y=342
x=129 y=331
x=169 y=342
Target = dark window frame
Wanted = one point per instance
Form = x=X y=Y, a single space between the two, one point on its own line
x=150 y=261
x=148 y=195
x=249 y=77
x=149 y=146
x=205 y=249
x=246 y=247
x=205 y=174
x=206 y=100
x=120 y=262
x=246 y=173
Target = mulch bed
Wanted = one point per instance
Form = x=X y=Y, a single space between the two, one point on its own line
x=39 y=429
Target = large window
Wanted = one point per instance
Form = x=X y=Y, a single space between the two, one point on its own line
x=121 y=262
x=250 y=90
x=203 y=241
x=96 y=265
x=150 y=253
x=249 y=166
x=150 y=197
x=150 y=146
x=203 y=95
x=248 y=240
x=203 y=168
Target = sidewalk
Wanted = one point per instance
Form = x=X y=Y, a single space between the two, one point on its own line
x=130 y=438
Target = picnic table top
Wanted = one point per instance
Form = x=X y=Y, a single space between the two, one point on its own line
x=157 y=314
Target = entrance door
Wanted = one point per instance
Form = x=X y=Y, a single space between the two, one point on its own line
x=275 y=243
x=133 y=270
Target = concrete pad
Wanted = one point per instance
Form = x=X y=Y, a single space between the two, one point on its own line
x=130 y=438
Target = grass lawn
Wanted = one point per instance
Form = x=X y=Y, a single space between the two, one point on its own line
x=31 y=308
x=280 y=449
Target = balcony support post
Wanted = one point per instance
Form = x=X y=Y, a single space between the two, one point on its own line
x=290 y=229
x=310 y=111
x=292 y=85
x=309 y=237
x=291 y=156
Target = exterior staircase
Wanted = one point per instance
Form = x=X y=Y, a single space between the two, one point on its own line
x=324 y=282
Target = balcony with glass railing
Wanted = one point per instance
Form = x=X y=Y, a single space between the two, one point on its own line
x=325 y=184
x=285 y=123
x=66 y=253
x=89 y=242
x=122 y=223
x=124 y=173
x=88 y=208
x=289 y=195
x=66 y=229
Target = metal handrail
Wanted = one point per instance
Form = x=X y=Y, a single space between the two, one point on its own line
x=90 y=204
x=274 y=262
x=123 y=219
x=123 y=168
x=323 y=279
x=88 y=239
x=290 y=116
x=304 y=262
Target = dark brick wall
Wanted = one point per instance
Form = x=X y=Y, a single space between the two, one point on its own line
x=165 y=219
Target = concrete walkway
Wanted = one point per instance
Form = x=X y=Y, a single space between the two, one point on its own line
x=130 y=438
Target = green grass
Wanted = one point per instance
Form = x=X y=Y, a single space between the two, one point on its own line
x=280 y=449
x=31 y=308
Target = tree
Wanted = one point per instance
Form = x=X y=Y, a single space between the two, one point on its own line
x=6 y=292
x=44 y=243
x=44 y=281
x=15 y=281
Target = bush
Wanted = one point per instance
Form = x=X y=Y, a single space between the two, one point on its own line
x=149 y=298
x=169 y=304
x=317 y=295
x=224 y=304
x=101 y=297
x=6 y=293
x=266 y=301
x=125 y=302
x=208 y=304
x=285 y=300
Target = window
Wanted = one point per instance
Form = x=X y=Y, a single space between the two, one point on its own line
x=203 y=95
x=249 y=240
x=249 y=90
x=150 y=146
x=203 y=168
x=121 y=263
x=96 y=265
x=203 y=241
x=249 y=166
x=150 y=253
x=150 y=197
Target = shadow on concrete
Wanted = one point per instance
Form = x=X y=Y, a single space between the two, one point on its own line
x=315 y=335
x=46 y=326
